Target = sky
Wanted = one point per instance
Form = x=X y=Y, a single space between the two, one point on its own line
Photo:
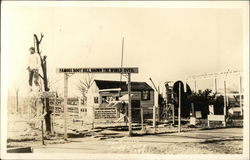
x=165 y=43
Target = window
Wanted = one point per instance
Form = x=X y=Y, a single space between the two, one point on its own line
x=145 y=95
x=95 y=99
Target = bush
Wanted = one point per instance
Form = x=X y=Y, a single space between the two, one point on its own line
x=203 y=99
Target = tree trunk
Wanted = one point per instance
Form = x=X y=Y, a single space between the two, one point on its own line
x=45 y=82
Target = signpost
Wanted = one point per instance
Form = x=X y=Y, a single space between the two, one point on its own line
x=65 y=110
x=121 y=70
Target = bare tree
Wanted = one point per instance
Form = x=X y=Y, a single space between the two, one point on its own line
x=45 y=80
x=85 y=84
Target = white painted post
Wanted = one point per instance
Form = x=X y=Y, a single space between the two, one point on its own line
x=65 y=105
x=179 y=110
x=225 y=102
x=129 y=106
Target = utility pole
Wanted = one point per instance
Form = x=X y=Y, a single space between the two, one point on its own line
x=122 y=57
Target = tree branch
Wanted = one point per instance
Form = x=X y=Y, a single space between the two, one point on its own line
x=41 y=38
x=41 y=76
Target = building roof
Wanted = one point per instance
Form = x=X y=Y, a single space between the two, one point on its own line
x=135 y=86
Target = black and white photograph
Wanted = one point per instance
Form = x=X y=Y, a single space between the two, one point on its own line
x=125 y=80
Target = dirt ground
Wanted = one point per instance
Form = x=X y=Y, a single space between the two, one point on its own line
x=114 y=139
x=220 y=147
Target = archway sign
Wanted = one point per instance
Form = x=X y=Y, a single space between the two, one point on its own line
x=125 y=70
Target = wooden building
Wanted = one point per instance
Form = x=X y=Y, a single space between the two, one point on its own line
x=104 y=99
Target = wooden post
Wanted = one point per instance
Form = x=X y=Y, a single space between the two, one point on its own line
x=42 y=123
x=29 y=107
x=192 y=107
x=54 y=115
x=126 y=115
x=93 y=120
x=51 y=124
x=154 y=118
x=65 y=104
x=240 y=93
x=79 y=107
x=129 y=106
x=155 y=109
x=142 y=128
x=225 y=102
x=173 y=115
x=179 y=110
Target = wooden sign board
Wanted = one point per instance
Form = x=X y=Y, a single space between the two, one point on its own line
x=98 y=70
x=192 y=120
x=198 y=114
x=216 y=118
x=105 y=113
x=47 y=94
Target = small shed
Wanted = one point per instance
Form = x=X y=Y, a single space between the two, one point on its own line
x=103 y=95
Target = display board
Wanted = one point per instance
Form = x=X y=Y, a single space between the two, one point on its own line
x=105 y=113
